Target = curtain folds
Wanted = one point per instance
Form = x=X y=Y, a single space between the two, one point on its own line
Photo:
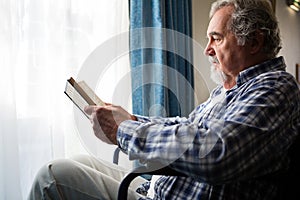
x=43 y=43
x=161 y=57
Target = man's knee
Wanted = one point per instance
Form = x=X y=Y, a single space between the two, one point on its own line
x=84 y=159
x=45 y=183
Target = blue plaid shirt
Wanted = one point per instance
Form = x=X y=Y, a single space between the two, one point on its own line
x=229 y=143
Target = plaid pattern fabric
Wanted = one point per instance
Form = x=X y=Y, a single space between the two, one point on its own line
x=228 y=144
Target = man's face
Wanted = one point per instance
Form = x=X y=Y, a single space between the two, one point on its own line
x=226 y=56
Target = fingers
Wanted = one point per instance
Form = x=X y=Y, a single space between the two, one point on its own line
x=90 y=109
x=103 y=122
x=106 y=120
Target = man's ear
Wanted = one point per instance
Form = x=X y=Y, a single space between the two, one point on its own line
x=257 y=42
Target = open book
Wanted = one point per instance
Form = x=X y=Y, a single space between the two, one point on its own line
x=81 y=94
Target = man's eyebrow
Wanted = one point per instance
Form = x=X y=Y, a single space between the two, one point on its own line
x=214 y=33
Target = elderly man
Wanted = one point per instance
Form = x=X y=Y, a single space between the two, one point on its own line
x=233 y=146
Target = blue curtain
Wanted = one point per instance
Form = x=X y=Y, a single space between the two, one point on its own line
x=161 y=57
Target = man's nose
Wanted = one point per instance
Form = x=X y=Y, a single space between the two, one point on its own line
x=209 y=51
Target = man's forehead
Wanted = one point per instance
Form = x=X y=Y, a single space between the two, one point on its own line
x=219 y=21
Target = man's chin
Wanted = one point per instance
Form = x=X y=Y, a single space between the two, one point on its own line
x=217 y=75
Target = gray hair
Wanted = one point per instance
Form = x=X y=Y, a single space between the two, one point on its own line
x=250 y=16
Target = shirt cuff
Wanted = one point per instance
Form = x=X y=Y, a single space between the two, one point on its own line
x=142 y=119
x=126 y=130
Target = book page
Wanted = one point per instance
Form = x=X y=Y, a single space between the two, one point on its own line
x=91 y=93
x=81 y=94
x=77 y=99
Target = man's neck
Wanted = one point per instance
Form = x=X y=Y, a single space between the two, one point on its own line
x=231 y=79
x=229 y=83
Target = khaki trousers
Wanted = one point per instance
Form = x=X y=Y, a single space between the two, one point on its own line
x=82 y=177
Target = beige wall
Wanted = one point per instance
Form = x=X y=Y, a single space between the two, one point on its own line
x=203 y=83
x=289 y=23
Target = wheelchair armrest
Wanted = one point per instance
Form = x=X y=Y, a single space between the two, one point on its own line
x=123 y=188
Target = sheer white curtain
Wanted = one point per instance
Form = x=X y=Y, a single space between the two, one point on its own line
x=42 y=43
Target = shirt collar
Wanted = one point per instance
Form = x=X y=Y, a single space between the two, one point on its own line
x=275 y=64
